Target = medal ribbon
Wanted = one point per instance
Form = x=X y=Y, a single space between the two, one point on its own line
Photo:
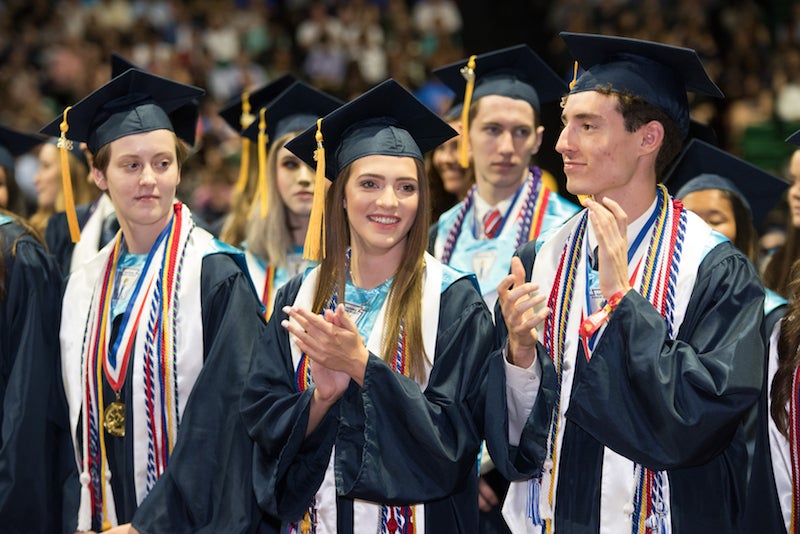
x=114 y=368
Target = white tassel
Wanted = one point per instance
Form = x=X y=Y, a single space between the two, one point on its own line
x=545 y=510
x=85 y=509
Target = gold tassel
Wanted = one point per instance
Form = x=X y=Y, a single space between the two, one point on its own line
x=64 y=146
x=468 y=72
x=574 y=76
x=245 y=120
x=263 y=139
x=314 y=248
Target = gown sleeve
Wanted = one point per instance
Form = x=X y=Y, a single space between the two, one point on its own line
x=395 y=443
x=31 y=416
x=207 y=486
x=668 y=403
x=526 y=459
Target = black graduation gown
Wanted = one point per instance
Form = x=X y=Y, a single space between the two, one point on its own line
x=33 y=416
x=422 y=449
x=763 y=511
x=207 y=485
x=57 y=237
x=679 y=406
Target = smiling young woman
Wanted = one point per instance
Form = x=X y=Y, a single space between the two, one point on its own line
x=377 y=352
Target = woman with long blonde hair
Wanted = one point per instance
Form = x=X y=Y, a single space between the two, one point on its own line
x=278 y=221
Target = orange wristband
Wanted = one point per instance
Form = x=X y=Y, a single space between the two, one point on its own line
x=593 y=323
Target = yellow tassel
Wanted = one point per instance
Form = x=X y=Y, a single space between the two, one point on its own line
x=263 y=139
x=574 y=76
x=245 y=120
x=314 y=248
x=468 y=72
x=64 y=146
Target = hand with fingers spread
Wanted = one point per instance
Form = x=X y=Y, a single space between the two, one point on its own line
x=522 y=312
x=610 y=224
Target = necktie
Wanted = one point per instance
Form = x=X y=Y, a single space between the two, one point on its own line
x=491 y=223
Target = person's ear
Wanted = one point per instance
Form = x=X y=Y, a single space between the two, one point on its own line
x=99 y=178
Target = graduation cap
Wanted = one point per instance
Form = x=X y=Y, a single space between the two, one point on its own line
x=515 y=72
x=703 y=166
x=120 y=64
x=386 y=120
x=660 y=74
x=184 y=119
x=794 y=138
x=238 y=113
x=294 y=110
x=131 y=103
x=14 y=143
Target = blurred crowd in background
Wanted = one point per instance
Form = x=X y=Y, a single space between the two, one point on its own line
x=53 y=53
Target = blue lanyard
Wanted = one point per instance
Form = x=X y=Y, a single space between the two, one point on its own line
x=631 y=251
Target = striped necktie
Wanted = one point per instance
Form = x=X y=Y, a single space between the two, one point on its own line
x=491 y=223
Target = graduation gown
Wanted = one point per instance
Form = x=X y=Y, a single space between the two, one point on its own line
x=206 y=486
x=32 y=411
x=91 y=219
x=769 y=497
x=678 y=406
x=394 y=442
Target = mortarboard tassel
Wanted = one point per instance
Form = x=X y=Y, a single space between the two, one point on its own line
x=314 y=249
x=574 y=76
x=263 y=139
x=245 y=120
x=468 y=72
x=64 y=146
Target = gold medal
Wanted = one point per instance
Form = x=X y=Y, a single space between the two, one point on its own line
x=114 y=419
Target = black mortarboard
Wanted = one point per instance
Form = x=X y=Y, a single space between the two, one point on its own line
x=702 y=166
x=658 y=73
x=293 y=110
x=134 y=102
x=184 y=119
x=794 y=138
x=234 y=111
x=386 y=120
x=119 y=65
x=516 y=72
x=14 y=143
